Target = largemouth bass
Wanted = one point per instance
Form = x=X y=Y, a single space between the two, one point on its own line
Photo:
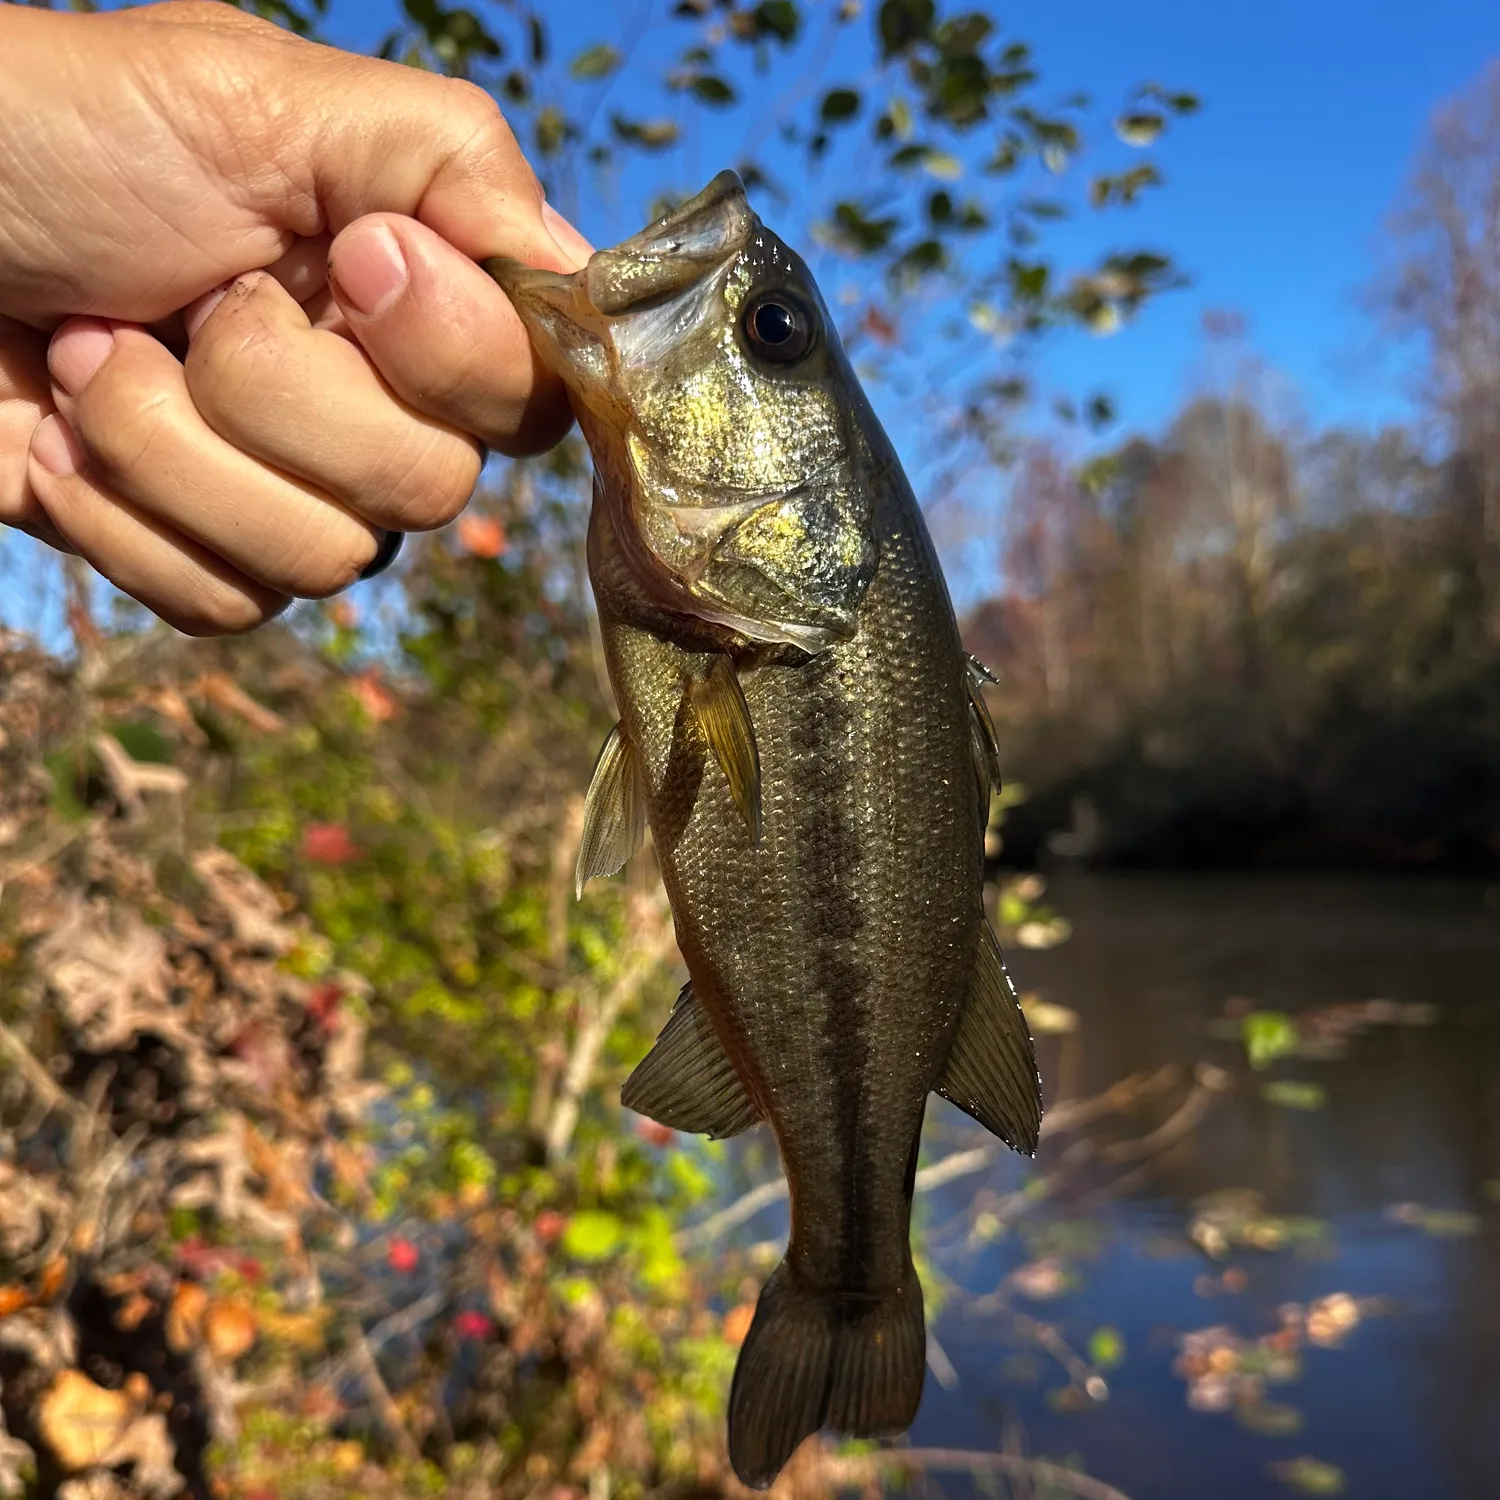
x=803 y=732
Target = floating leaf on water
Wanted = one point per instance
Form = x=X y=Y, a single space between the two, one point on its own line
x=1310 y=1476
x=1106 y=1348
x=1440 y=1223
x=1269 y=1418
x=1291 y=1094
x=1042 y=1280
x=1268 y=1035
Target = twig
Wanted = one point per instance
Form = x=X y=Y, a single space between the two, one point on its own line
x=938 y=1362
x=1207 y=1082
x=363 y=1363
x=42 y=1083
x=590 y=1037
x=1063 y=1117
x=863 y=1469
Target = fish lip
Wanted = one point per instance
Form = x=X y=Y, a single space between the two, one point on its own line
x=714 y=219
x=708 y=230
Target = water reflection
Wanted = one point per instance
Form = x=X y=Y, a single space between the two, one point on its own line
x=1410 y=1404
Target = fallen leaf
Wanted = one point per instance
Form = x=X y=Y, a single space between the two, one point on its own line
x=482 y=536
x=373 y=696
x=229 y=1330
x=329 y=844
x=81 y=1422
x=737 y=1323
x=185 y=1316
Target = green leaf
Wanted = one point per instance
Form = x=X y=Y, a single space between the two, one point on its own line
x=778 y=18
x=856 y=230
x=1139 y=129
x=1268 y=1418
x=1268 y=1035
x=942 y=165
x=964 y=33
x=838 y=105
x=1290 y=1094
x=552 y=130
x=595 y=62
x=538 y=40
x=1106 y=1348
x=903 y=23
x=1310 y=1476
x=650 y=135
x=592 y=1235
x=712 y=89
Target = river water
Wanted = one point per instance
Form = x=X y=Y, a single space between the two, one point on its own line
x=1385 y=1199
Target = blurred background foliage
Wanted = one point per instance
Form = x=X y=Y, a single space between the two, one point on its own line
x=313 y=1179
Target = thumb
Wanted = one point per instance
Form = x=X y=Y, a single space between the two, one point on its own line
x=393 y=139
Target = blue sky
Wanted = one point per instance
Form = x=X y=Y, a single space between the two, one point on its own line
x=1276 y=193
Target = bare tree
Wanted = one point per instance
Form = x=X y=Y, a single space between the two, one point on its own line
x=1445 y=290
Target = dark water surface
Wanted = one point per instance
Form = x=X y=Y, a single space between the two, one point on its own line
x=1408 y=1405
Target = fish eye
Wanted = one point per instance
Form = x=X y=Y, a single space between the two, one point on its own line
x=778 y=328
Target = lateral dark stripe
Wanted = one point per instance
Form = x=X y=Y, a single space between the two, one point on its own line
x=829 y=847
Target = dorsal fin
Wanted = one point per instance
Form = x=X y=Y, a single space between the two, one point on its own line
x=991 y=1070
x=687 y=1081
x=724 y=717
x=614 y=812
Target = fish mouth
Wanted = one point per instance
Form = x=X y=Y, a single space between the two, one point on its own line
x=569 y=311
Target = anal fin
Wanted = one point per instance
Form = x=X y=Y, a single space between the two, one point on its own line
x=614 y=812
x=991 y=1070
x=724 y=717
x=686 y=1081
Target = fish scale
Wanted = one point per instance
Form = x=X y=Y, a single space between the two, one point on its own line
x=800 y=727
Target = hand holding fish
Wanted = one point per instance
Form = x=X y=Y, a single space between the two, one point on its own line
x=808 y=742
x=186 y=398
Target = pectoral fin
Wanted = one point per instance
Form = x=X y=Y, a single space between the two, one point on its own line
x=983 y=740
x=687 y=1081
x=724 y=717
x=991 y=1069
x=614 y=812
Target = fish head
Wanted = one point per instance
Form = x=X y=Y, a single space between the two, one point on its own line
x=730 y=435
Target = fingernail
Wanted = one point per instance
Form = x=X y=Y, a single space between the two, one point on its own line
x=369 y=269
x=77 y=350
x=568 y=240
x=55 y=448
x=196 y=314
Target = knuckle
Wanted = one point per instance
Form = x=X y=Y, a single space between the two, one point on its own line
x=425 y=483
x=330 y=567
x=219 y=609
x=122 y=417
x=236 y=357
x=474 y=110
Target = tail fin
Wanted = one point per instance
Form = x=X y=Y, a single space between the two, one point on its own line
x=814 y=1360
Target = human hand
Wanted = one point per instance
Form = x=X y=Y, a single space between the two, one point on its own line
x=343 y=383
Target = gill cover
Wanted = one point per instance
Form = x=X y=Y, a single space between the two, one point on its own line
x=723 y=418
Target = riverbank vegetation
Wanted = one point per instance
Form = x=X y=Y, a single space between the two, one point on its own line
x=1244 y=642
